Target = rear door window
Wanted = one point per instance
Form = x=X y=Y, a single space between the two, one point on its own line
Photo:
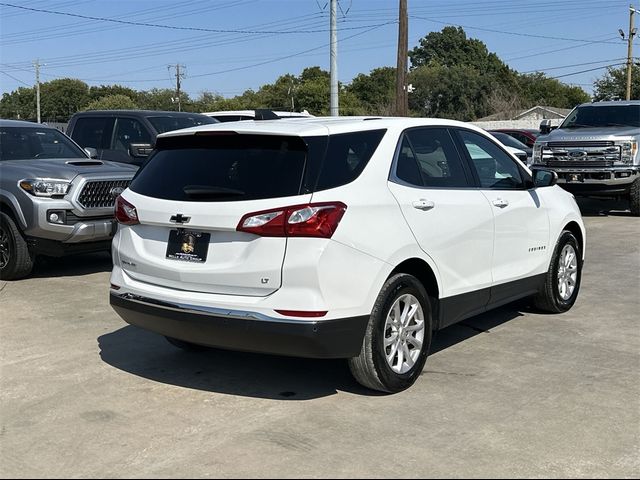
x=170 y=123
x=94 y=132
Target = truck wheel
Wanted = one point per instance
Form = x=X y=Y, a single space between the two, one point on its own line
x=398 y=337
x=634 y=198
x=15 y=259
x=562 y=280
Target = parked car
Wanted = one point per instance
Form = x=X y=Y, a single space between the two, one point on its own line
x=127 y=136
x=595 y=151
x=54 y=199
x=350 y=238
x=237 y=115
x=509 y=141
x=525 y=135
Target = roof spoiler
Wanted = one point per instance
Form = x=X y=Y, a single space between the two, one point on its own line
x=265 y=114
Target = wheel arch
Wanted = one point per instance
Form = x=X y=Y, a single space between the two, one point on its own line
x=420 y=269
x=9 y=206
x=577 y=232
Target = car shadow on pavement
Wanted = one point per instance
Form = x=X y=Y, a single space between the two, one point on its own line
x=72 y=266
x=598 y=207
x=150 y=356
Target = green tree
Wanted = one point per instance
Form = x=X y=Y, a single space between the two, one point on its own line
x=457 y=92
x=613 y=85
x=107 y=90
x=375 y=90
x=112 y=102
x=538 y=89
x=162 y=99
x=19 y=104
x=61 y=98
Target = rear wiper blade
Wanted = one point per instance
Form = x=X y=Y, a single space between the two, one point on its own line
x=211 y=191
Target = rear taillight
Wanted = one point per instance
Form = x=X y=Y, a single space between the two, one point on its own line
x=311 y=220
x=126 y=214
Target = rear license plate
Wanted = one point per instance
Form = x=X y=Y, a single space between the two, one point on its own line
x=188 y=246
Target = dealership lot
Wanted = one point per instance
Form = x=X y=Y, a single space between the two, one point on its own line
x=508 y=393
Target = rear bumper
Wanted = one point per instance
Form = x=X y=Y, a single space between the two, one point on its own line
x=243 y=331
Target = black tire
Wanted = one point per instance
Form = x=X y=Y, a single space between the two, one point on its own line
x=634 y=198
x=550 y=299
x=15 y=259
x=186 y=346
x=371 y=368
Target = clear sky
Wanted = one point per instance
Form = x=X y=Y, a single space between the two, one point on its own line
x=228 y=46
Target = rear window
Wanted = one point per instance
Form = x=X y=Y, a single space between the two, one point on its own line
x=170 y=123
x=234 y=167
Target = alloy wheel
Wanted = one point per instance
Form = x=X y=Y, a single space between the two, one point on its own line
x=567 y=272
x=404 y=333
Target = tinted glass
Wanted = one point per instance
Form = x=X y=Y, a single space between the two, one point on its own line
x=347 y=155
x=170 y=123
x=495 y=168
x=93 y=132
x=603 y=116
x=128 y=131
x=509 y=140
x=437 y=157
x=223 y=168
x=407 y=168
x=18 y=143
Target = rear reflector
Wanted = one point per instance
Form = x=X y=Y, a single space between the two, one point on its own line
x=126 y=214
x=311 y=220
x=301 y=313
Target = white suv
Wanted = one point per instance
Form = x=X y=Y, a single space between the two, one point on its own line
x=347 y=237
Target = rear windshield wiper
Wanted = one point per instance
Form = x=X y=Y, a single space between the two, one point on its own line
x=211 y=191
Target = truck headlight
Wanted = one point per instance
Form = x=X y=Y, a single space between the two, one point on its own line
x=629 y=152
x=45 y=187
x=536 y=158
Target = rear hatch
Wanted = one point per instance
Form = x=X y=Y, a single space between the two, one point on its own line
x=189 y=199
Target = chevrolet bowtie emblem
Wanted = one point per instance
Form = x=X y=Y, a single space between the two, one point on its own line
x=179 y=218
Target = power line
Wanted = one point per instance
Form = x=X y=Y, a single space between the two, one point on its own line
x=15 y=78
x=564 y=39
x=574 y=65
x=172 y=27
x=589 y=70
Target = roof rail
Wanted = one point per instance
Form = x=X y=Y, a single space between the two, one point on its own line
x=266 y=114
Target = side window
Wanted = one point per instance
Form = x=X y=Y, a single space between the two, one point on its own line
x=128 y=131
x=407 y=168
x=93 y=132
x=495 y=168
x=347 y=155
x=428 y=157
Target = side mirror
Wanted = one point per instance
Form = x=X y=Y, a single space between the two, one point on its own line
x=545 y=127
x=92 y=152
x=544 y=178
x=140 y=150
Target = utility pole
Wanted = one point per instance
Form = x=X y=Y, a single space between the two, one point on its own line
x=179 y=76
x=632 y=33
x=37 y=65
x=335 y=106
x=402 y=94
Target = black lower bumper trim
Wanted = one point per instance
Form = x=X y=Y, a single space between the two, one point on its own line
x=52 y=248
x=314 y=339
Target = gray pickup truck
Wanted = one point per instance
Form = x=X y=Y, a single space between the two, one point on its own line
x=54 y=199
x=595 y=151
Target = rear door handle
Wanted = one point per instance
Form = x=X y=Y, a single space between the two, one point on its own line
x=501 y=203
x=423 y=204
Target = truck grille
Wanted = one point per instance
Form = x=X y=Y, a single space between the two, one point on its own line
x=579 y=164
x=97 y=194
x=587 y=143
x=581 y=154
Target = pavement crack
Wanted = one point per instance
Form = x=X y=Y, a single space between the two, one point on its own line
x=457 y=374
